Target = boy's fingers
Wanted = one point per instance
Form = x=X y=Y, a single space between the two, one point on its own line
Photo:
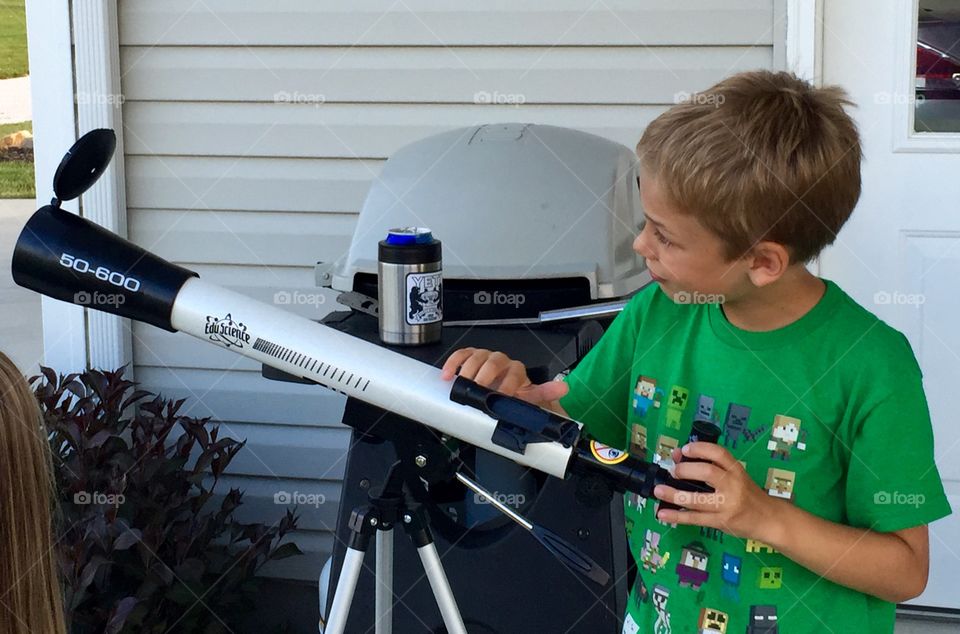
x=712 y=452
x=470 y=367
x=693 y=500
x=691 y=518
x=702 y=471
x=491 y=371
x=512 y=381
x=453 y=362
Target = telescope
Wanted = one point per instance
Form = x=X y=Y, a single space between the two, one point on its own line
x=69 y=258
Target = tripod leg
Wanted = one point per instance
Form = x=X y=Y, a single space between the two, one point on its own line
x=415 y=524
x=384 y=581
x=346 y=584
x=441 y=589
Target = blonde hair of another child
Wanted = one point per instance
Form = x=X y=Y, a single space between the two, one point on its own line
x=31 y=599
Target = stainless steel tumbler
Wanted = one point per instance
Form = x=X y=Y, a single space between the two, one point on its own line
x=410 y=287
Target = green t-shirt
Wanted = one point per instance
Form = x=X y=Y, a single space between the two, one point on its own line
x=828 y=412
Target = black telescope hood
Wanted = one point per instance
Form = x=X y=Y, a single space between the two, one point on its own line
x=64 y=256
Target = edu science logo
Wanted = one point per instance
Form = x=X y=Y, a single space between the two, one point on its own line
x=226 y=331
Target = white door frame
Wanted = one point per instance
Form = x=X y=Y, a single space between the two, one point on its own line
x=805 y=38
x=74 y=338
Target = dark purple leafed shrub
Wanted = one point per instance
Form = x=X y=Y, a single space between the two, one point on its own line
x=143 y=543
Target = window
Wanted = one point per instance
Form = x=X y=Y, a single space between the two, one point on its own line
x=937 y=106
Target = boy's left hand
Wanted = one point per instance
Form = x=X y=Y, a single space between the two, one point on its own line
x=738 y=506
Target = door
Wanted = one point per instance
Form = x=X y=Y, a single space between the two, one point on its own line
x=899 y=255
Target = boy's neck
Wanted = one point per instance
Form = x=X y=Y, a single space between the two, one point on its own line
x=777 y=304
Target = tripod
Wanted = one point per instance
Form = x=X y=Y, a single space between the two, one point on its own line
x=389 y=506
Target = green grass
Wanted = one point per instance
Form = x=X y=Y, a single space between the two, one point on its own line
x=16 y=177
x=8 y=128
x=13 y=39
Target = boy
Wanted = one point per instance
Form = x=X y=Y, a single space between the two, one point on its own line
x=824 y=472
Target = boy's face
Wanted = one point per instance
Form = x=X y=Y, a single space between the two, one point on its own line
x=682 y=255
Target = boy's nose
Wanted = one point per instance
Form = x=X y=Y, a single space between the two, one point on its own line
x=641 y=246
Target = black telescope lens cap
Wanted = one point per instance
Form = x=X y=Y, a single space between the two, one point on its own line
x=83 y=163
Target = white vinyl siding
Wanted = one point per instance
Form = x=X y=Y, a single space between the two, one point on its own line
x=253 y=131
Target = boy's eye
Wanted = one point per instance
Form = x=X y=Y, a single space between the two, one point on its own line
x=663 y=240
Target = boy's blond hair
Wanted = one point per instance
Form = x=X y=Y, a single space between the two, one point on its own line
x=760 y=156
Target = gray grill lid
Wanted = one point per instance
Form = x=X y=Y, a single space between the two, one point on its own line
x=509 y=201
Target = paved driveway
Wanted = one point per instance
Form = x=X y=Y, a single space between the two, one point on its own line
x=21 y=333
x=15 y=100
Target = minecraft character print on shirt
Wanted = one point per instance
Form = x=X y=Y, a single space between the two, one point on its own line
x=785 y=436
x=638 y=440
x=730 y=573
x=735 y=426
x=770 y=578
x=712 y=533
x=712 y=621
x=754 y=546
x=650 y=556
x=635 y=501
x=676 y=404
x=692 y=569
x=780 y=483
x=763 y=620
x=646 y=394
x=660 y=597
x=663 y=455
x=706 y=410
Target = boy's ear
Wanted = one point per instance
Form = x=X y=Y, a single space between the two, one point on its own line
x=768 y=261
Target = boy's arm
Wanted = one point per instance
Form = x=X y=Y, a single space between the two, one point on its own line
x=892 y=566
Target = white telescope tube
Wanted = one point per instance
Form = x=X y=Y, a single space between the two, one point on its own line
x=69 y=258
x=346 y=364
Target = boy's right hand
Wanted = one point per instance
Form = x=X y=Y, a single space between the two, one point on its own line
x=497 y=371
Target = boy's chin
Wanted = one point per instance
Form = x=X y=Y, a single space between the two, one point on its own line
x=676 y=295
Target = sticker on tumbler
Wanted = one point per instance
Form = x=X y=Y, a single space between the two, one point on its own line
x=607 y=454
x=424 y=303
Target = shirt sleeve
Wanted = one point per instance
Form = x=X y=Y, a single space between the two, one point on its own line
x=600 y=383
x=892 y=480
